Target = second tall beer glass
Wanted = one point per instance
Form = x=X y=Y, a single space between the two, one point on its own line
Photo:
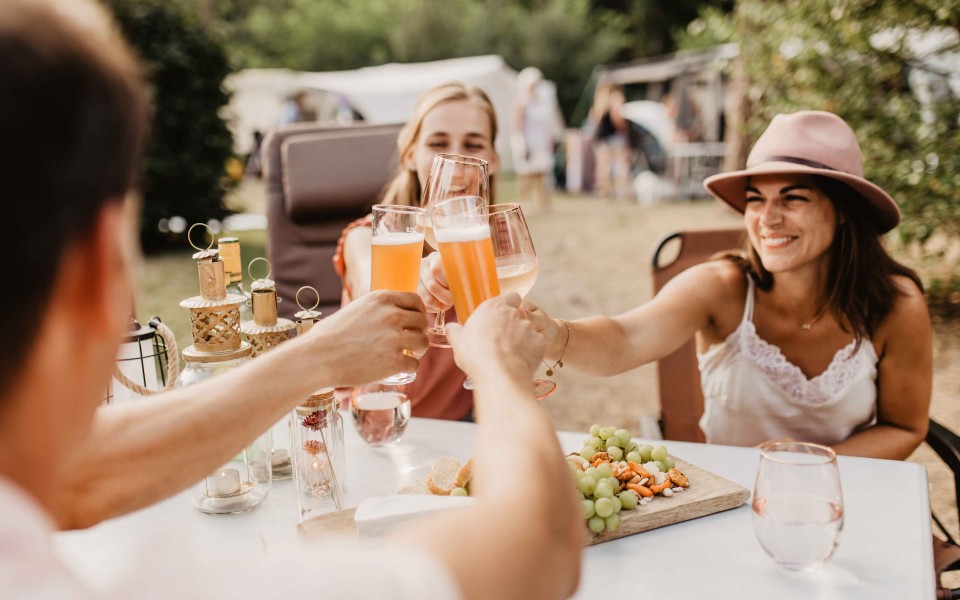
x=395 y=261
x=452 y=176
x=462 y=230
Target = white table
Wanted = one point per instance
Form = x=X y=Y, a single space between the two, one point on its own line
x=884 y=552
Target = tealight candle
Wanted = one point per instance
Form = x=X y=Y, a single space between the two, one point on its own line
x=279 y=456
x=224 y=483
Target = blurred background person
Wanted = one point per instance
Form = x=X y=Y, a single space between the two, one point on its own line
x=533 y=137
x=611 y=146
x=297 y=109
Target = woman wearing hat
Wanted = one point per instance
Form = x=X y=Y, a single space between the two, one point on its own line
x=812 y=333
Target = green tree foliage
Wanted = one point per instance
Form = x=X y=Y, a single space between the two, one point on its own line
x=866 y=61
x=190 y=144
x=566 y=39
x=652 y=24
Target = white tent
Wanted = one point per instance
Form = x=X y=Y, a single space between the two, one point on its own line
x=381 y=94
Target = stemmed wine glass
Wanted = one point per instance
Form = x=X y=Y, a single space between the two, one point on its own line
x=450 y=177
x=516 y=261
x=798 y=504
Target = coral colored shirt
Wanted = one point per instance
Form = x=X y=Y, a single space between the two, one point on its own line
x=438 y=390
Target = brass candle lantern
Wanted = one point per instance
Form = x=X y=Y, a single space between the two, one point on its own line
x=307 y=317
x=265 y=330
x=214 y=314
x=244 y=482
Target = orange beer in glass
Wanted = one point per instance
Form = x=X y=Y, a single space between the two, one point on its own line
x=396 y=261
x=397 y=247
x=467 y=255
x=462 y=231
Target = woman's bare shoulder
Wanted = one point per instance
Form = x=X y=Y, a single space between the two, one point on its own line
x=910 y=303
x=718 y=279
x=909 y=318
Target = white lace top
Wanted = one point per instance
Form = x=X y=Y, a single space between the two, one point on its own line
x=752 y=393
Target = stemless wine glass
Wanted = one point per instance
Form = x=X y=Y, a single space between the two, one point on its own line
x=395 y=259
x=462 y=231
x=517 y=265
x=798 y=504
x=452 y=176
x=380 y=412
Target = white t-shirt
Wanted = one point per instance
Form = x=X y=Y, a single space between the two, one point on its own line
x=30 y=569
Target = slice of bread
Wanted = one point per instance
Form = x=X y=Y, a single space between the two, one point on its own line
x=443 y=476
x=464 y=474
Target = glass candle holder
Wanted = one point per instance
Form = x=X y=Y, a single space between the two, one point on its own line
x=316 y=437
x=244 y=481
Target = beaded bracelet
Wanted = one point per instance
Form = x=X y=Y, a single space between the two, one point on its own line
x=559 y=362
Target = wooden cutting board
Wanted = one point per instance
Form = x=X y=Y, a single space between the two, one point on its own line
x=707 y=494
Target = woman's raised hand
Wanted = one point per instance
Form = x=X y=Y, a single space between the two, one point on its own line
x=549 y=328
x=433 y=287
x=499 y=340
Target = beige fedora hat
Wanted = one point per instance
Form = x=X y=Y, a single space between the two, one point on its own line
x=811 y=143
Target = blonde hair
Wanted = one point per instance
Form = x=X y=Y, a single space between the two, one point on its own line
x=405 y=187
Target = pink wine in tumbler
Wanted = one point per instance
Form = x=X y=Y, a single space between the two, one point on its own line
x=381 y=417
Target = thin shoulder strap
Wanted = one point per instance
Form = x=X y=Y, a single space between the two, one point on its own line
x=748 y=305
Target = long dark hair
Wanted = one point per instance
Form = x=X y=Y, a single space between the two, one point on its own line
x=860 y=290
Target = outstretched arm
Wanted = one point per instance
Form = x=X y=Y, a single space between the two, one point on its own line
x=140 y=453
x=524 y=536
x=610 y=345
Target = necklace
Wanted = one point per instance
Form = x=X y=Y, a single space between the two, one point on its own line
x=809 y=326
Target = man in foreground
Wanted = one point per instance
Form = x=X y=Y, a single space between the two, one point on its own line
x=73 y=117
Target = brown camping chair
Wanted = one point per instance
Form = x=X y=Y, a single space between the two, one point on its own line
x=946 y=554
x=319 y=178
x=681 y=400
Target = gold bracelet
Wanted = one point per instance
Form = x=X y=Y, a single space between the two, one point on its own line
x=559 y=362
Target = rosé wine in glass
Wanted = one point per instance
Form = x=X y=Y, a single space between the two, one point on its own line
x=381 y=416
x=798 y=504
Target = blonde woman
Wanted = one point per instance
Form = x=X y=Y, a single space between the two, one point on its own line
x=451 y=118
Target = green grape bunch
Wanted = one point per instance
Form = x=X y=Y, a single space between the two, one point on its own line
x=614 y=473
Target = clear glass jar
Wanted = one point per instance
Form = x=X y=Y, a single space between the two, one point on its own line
x=319 y=461
x=246 y=307
x=244 y=481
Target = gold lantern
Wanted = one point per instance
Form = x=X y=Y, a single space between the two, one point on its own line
x=245 y=480
x=306 y=317
x=214 y=314
x=265 y=330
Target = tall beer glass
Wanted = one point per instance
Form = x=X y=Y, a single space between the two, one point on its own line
x=462 y=231
x=396 y=252
x=452 y=176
